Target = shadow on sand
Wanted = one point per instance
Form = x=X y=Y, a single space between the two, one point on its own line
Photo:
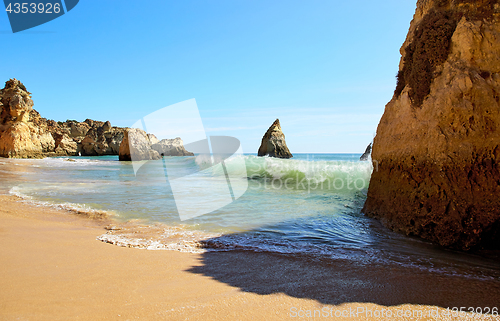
x=339 y=281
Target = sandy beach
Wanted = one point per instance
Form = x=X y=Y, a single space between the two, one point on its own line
x=53 y=268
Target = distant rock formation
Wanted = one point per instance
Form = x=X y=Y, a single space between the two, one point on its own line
x=25 y=134
x=273 y=142
x=136 y=146
x=171 y=147
x=437 y=146
x=366 y=154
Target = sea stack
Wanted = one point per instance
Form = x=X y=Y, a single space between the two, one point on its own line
x=366 y=154
x=436 y=153
x=273 y=143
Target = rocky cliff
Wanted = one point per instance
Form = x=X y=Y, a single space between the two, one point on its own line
x=171 y=147
x=273 y=142
x=136 y=146
x=436 y=153
x=25 y=134
x=100 y=139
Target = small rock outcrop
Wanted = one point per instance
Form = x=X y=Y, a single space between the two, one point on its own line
x=153 y=139
x=101 y=139
x=136 y=146
x=78 y=129
x=171 y=147
x=273 y=143
x=367 y=153
x=436 y=153
x=106 y=127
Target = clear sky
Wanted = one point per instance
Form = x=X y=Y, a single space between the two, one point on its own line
x=325 y=68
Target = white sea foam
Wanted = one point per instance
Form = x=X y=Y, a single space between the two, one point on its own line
x=156 y=237
x=70 y=207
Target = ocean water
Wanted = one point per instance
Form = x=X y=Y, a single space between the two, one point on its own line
x=309 y=205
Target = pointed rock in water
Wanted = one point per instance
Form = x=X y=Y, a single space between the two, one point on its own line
x=136 y=146
x=367 y=153
x=437 y=149
x=273 y=142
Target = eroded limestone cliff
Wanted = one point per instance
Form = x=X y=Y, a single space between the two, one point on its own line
x=136 y=146
x=25 y=134
x=437 y=147
x=171 y=147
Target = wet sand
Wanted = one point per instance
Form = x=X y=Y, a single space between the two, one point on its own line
x=53 y=268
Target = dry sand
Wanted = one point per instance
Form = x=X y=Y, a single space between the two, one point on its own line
x=53 y=268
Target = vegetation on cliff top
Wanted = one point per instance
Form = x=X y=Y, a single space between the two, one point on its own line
x=431 y=43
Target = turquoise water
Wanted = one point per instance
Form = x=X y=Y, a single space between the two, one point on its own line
x=308 y=205
x=107 y=184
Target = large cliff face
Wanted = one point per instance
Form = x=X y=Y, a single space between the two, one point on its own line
x=437 y=150
x=25 y=134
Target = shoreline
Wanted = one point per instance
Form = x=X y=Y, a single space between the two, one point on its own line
x=53 y=267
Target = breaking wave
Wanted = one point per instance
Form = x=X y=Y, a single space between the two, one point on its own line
x=333 y=175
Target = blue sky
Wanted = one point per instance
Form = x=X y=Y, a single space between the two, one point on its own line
x=325 y=68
